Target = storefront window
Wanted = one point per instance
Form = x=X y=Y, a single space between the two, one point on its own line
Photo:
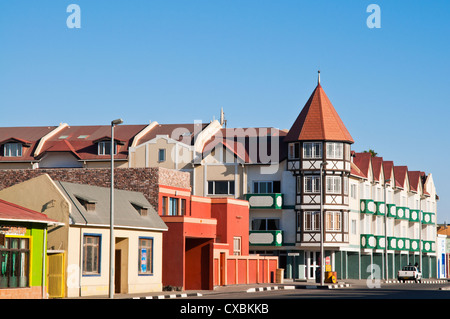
x=14 y=263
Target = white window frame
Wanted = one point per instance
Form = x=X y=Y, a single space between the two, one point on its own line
x=293 y=149
x=237 y=246
x=104 y=148
x=335 y=150
x=334 y=184
x=161 y=155
x=12 y=149
x=333 y=221
x=312 y=150
x=313 y=181
x=314 y=218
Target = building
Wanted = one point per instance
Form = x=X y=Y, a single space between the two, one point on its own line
x=78 y=248
x=23 y=234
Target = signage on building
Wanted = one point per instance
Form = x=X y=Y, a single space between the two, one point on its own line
x=13 y=230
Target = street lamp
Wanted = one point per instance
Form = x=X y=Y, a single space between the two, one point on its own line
x=111 y=213
x=322 y=223
x=386 y=275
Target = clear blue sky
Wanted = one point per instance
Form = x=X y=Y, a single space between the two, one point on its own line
x=180 y=61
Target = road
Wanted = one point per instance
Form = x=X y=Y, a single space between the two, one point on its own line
x=386 y=291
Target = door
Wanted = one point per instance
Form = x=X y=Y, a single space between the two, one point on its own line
x=55 y=275
x=312 y=264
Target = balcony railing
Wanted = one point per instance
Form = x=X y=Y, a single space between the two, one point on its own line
x=265 y=201
x=266 y=238
x=369 y=241
x=367 y=206
x=428 y=218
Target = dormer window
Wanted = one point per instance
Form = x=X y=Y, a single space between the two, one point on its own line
x=142 y=210
x=87 y=203
x=12 y=149
x=104 y=148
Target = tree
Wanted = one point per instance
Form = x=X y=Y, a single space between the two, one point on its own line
x=371 y=152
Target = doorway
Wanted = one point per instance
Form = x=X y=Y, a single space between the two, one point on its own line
x=312 y=264
x=121 y=266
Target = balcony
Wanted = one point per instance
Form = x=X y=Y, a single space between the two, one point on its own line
x=402 y=213
x=391 y=210
x=369 y=241
x=265 y=201
x=367 y=206
x=266 y=238
x=428 y=218
x=428 y=246
x=414 y=215
x=379 y=208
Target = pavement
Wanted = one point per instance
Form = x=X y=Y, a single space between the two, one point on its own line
x=249 y=288
x=253 y=288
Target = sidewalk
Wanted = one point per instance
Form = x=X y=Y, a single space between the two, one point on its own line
x=250 y=288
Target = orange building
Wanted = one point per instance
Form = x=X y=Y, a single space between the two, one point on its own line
x=207 y=243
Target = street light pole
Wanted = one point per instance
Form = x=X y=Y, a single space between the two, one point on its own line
x=386 y=274
x=322 y=224
x=111 y=216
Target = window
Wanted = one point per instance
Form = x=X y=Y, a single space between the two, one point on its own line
x=333 y=221
x=333 y=184
x=312 y=184
x=164 y=205
x=345 y=185
x=104 y=148
x=266 y=187
x=145 y=256
x=353 y=227
x=335 y=150
x=294 y=151
x=312 y=150
x=265 y=224
x=173 y=206
x=237 y=246
x=221 y=188
x=311 y=221
x=353 y=191
x=161 y=155
x=14 y=263
x=183 y=207
x=91 y=255
x=12 y=149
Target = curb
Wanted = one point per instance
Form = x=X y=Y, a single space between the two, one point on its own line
x=334 y=286
x=171 y=296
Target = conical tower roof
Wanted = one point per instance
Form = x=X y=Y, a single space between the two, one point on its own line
x=318 y=121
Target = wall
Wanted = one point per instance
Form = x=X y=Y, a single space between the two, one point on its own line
x=144 y=180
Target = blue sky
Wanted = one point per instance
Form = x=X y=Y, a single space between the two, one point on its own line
x=180 y=61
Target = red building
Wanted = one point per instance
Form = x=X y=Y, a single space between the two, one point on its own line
x=207 y=243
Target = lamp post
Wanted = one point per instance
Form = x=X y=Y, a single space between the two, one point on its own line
x=386 y=274
x=111 y=213
x=322 y=224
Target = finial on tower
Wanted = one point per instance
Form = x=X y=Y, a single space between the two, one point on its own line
x=318 y=81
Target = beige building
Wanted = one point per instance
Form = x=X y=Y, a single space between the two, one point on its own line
x=82 y=241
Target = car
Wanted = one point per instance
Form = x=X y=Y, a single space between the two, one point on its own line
x=409 y=273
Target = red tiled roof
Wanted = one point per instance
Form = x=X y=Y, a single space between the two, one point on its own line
x=26 y=135
x=362 y=161
x=250 y=145
x=11 y=211
x=82 y=140
x=377 y=164
x=414 y=180
x=400 y=175
x=179 y=132
x=387 y=169
x=318 y=120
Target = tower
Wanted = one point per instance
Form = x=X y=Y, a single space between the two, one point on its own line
x=318 y=138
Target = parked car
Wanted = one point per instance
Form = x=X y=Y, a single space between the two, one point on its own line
x=409 y=273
